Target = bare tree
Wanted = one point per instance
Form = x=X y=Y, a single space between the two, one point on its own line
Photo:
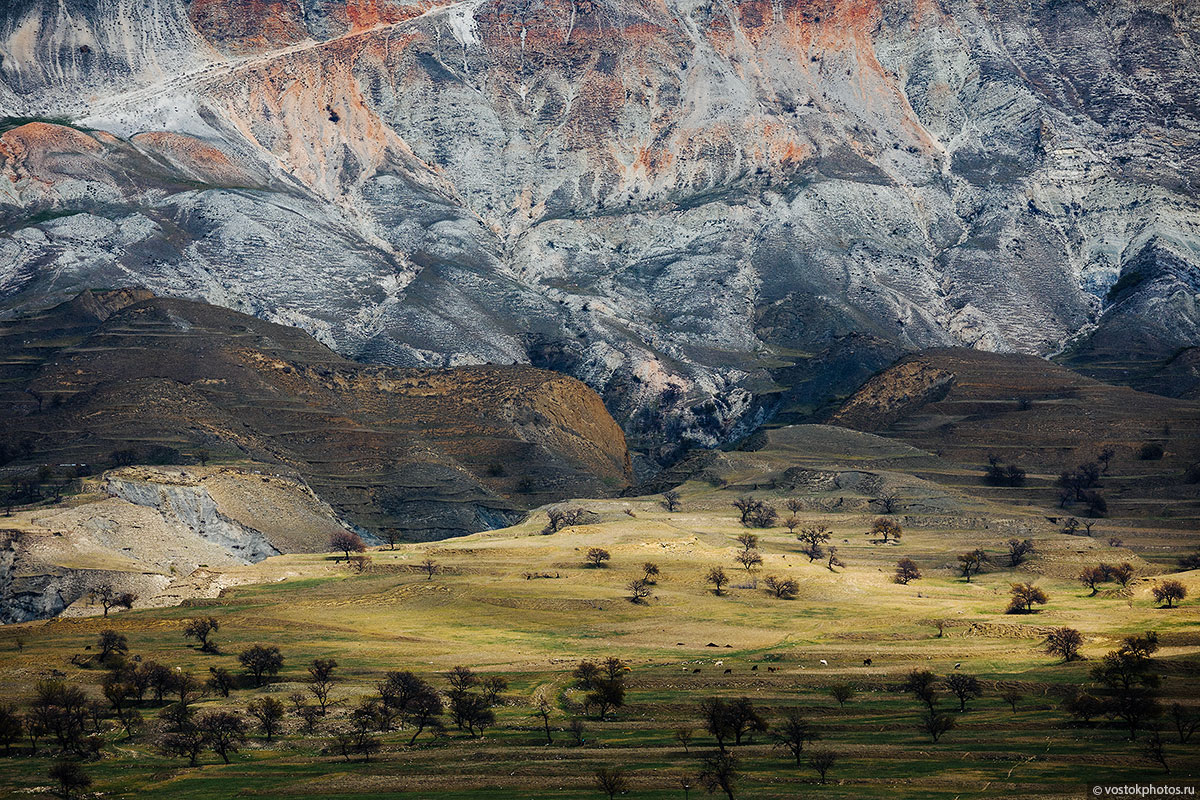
x=201 y=629
x=964 y=687
x=833 y=560
x=650 y=572
x=1012 y=697
x=764 y=516
x=269 y=713
x=1123 y=573
x=430 y=568
x=822 y=761
x=346 y=542
x=1186 y=722
x=1018 y=551
x=391 y=536
x=320 y=680
x=1024 y=596
x=794 y=505
x=611 y=781
x=684 y=736
x=783 y=588
x=639 y=590
x=1169 y=592
x=842 y=692
x=1105 y=458
x=111 y=643
x=813 y=537
x=971 y=563
x=717 y=577
x=260 y=661
x=109 y=598
x=747 y=540
x=906 y=571
x=885 y=530
x=791 y=523
x=671 y=501
x=1064 y=643
x=719 y=772
x=597 y=557
x=936 y=724
x=1092 y=577
x=793 y=733
x=223 y=732
x=746 y=505
x=888 y=501
x=749 y=559
x=921 y=684
x=543 y=707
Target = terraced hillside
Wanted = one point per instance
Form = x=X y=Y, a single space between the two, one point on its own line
x=521 y=605
x=428 y=452
x=968 y=406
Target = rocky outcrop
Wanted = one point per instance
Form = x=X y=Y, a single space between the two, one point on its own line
x=689 y=206
x=193 y=508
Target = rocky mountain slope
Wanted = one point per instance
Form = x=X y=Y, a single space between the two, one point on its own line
x=165 y=534
x=706 y=210
x=114 y=377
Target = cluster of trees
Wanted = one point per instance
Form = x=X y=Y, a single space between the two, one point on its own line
x=998 y=474
x=46 y=483
x=1092 y=577
x=1124 y=689
x=732 y=723
x=559 y=518
x=1080 y=486
x=925 y=687
x=756 y=513
x=603 y=685
x=643 y=587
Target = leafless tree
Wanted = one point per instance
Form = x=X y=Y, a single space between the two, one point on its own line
x=597 y=557
x=611 y=781
x=749 y=559
x=1018 y=551
x=201 y=629
x=717 y=577
x=813 y=537
x=906 y=571
x=1023 y=598
x=783 y=588
x=1169 y=592
x=793 y=733
x=639 y=590
x=320 y=680
x=671 y=501
x=1064 y=643
x=822 y=761
x=346 y=542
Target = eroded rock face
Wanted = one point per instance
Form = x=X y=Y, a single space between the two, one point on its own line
x=684 y=204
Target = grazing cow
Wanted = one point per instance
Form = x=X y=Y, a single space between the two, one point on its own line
x=728 y=672
x=866 y=662
x=959 y=664
x=770 y=669
x=720 y=663
x=824 y=663
x=754 y=668
x=697 y=669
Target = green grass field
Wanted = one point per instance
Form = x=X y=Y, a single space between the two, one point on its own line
x=481 y=610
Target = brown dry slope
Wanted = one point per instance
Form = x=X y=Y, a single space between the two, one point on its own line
x=430 y=452
x=966 y=405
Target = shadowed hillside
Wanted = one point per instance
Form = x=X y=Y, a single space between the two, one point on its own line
x=433 y=453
